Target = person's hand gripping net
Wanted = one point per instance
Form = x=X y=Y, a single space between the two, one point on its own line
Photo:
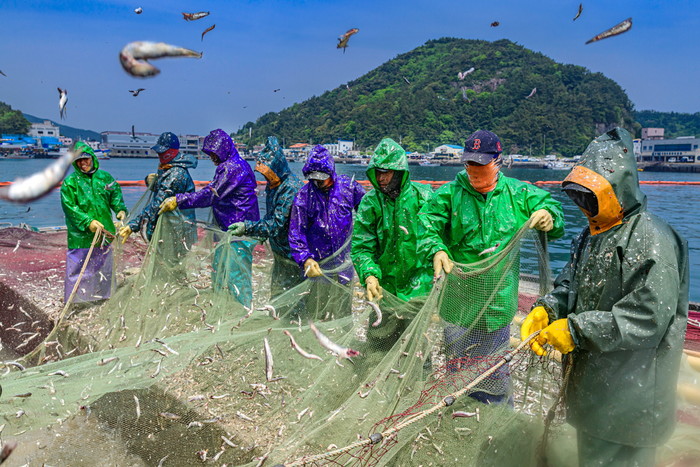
x=537 y=320
x=374 y=290
x=541 y=220
x=311 y=268
x=441 y=262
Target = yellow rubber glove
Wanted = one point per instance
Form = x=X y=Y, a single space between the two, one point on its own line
x=121 y=215
x=150 y=178
x=558 y=336
x=311 y=268
x=94 y=225
x=374 y=290
x=124 y=233
x=541 y=220
x=168 y=204
x=537 y=320
x=441 y=262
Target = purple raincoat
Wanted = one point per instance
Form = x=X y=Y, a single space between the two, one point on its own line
x=232 y=192
x=321 y=222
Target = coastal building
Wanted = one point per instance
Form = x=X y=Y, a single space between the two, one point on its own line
x=447 y=153
x=341 y=148
x=40 y=130
x=652 y=133
x=137 y=144
x=684 y=149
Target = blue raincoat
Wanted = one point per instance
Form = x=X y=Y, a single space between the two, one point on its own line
x=321 y=223
x=171 y=179
x=232 y=197
x=275 y=225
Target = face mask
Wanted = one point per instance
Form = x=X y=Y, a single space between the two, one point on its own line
x=273 y=181
x=167 y=156
x=483 y=178
x=323 y=185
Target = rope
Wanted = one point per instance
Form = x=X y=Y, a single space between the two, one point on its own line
x=62 y=316
x=445 y=402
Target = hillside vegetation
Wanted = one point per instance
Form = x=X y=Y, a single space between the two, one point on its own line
x=418 y=98
x=675 y=124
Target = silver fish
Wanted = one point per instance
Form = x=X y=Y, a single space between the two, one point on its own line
x=23 y=190
x=619 y=28
x=578 y=13
x=378 y=311
x=62 y=101
x=268 y=360
x=490 y=250
x=532 y=93
x=301 y=351
x=194 y=16
x=338 y=351
x=138 y=10
x=463 y=74
x=135 y=55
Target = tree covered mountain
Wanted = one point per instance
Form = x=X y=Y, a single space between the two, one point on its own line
x=12 y=121
x=675 y=124
x=419 y=99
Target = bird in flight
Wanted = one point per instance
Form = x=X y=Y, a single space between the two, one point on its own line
x=343 y=39
x=136 y=93
x=62 y=101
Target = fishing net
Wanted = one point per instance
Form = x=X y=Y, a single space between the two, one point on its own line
x=172 y=369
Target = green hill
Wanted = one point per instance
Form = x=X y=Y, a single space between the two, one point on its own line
x=675 y=124
x=69 y=131
x=418 y=98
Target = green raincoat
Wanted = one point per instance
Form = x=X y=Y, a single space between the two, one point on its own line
x=625 y=294
x=385 y=233
x=459 y=221
x=88 y=197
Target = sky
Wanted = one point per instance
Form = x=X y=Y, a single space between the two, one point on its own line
x=260 y=46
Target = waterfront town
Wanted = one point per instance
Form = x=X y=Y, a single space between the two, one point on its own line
x=653 y=151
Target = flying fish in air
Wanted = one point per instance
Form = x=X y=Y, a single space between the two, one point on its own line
x=463 y=74
x=343 y=40
x=578 y=13
x=138 y=10
x=495 y=24
x=136 y=92
x=406 y=79
x=1 y=73
x=134 y=56
x=62 y=101
x=619 y=28
x=194 y=16
x=532 y=93
x=208 y=29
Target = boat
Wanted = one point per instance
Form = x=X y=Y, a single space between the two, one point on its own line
x=558 y=165
x=428 y=163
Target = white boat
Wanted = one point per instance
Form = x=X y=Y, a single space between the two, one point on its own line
x=428 y=163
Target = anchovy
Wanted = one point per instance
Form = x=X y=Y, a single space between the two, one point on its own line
x=138 y=407
x=301 y=351
x=169 y=416
x=268 y=360
x=463 y=414
x=138 y=11
x=105 y=361
x=62 y=101
x=532 y=93
x=208 y=29
x=403 y=229
x=490 y=250
x=578 y=13
x=15 y=364
x=134 y=56
x=338 y=351
x=463 y=74
x=194 y=16
x=271 y=309
x=59 y=373
x=378 y=311
x=38 y=184
x=619 y=28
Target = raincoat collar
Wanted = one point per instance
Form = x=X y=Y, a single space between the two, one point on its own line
x=391 y=156
x=186 y=161
x=608 y=168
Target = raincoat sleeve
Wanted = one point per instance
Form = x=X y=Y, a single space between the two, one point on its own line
x=173 y=182
x=297 y=230
x=206 y=196
x=365 y=242
x=536 y=199
x=358 y=192
x=77 y=217
x=275 y=220
x=640 y=319
x=432 y=222
x=116 y=200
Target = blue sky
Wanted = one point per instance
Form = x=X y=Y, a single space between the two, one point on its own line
x=259 y=46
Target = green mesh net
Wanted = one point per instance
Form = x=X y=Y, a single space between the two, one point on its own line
x=173 y=369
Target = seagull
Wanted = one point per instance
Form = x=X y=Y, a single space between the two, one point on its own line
x=1 y=73
x=62 y=100
x=275 y=90
x=138 y=10
x=136 y=93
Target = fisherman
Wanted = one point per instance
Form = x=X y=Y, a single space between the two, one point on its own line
x=321 y=222
x=173 y=177
x=618 y=312
x=88 y=197
x=232 y=197
x=282 y=186
x=385 y=236
x=481 y=211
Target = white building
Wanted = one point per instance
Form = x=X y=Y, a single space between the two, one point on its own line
x=341 y=148
x=47 y=128
x=126 y=144
x=449 y=150
x=681 y=149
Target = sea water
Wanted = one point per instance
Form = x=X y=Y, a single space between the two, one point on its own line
x=677 y=204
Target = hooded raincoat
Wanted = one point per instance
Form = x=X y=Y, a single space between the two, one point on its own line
x=171 y=179
x=232 y=192
x=275 y=225
x=462 y=222
x=385 y=234
x=625 y=294
x=321 y=223
x=86 y=197
x=233 y=198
